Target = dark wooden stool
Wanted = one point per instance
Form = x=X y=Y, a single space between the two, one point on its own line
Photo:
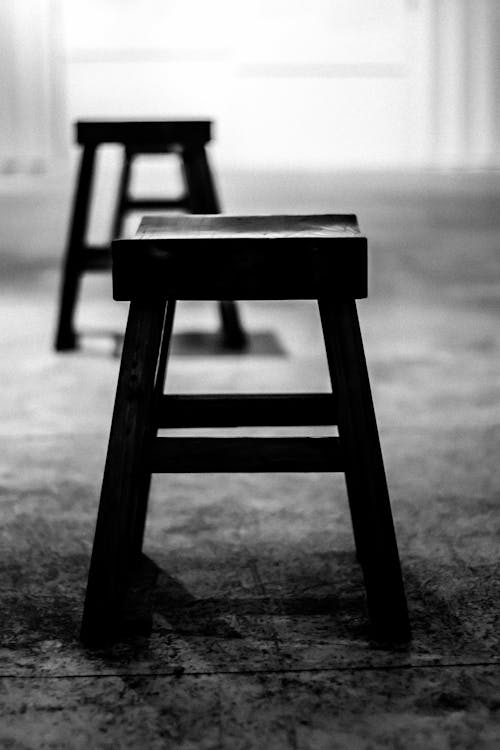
x=185 y=138
x=276 y=257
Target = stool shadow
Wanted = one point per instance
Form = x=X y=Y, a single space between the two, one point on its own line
x=155 y=592
x=100 y=342
x=188 y=615
x=109 y=343
x=437 y=627
x=206 y=343
x=336 y=616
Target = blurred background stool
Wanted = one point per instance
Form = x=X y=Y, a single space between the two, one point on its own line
x=187 y=139
x=322 y=258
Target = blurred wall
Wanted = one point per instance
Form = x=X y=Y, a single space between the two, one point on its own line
x=321 y=85
x=300 y=92
x=33 y=119
x=293 y=85
x=290 y=84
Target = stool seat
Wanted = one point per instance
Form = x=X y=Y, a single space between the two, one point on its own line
x=242 y=257
x=261 y=257
x=155 y=133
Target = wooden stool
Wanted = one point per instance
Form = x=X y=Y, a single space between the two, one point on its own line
x=185 y=138
x=260 y=257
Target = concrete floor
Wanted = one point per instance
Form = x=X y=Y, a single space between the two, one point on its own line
x=260 y=637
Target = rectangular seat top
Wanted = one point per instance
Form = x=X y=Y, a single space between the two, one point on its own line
x=273 y=227
x=242 y=257
x=146 y=132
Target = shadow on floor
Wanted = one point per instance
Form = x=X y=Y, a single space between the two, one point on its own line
x=185 y=344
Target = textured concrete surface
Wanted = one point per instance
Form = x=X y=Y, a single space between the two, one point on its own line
x=260 y=636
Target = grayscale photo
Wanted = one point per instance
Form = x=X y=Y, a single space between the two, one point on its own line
x=250 y=374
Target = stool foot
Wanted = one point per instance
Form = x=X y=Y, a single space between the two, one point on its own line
x=136 y=616
x=66 y=341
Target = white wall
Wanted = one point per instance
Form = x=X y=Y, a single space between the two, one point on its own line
x=291 y=85
x=456 y=72
x=31 y=67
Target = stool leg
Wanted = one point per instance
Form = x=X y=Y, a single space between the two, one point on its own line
x=202 y=199
x=123 y=483
x=119 y=215
x=364 y=470
x=74 y=259
x=161 y=371
x=233 y=333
